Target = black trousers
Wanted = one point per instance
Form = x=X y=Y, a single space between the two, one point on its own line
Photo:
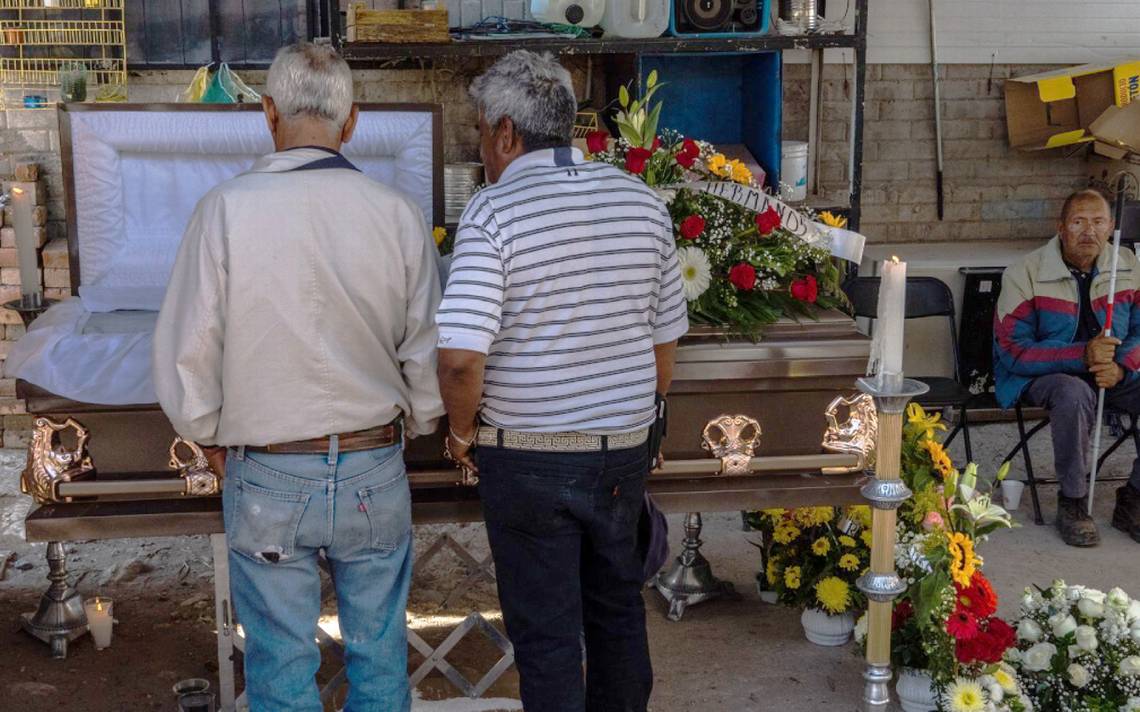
x=563 y=534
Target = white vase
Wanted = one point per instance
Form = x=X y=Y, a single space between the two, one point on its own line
x=766 y=595
x=916 y=691
x=822 y=628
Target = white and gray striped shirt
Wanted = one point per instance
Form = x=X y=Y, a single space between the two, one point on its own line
x=565 y=275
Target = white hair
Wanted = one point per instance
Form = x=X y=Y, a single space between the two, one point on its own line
x=311 y=80
x=534 y=91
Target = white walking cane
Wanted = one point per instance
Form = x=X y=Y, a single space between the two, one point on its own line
x=1118 y=216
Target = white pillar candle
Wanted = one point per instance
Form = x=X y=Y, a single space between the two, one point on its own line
x=23 y=224
x=99 y=621
x=891 y=313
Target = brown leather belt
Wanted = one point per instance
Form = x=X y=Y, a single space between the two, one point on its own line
x=370 y=439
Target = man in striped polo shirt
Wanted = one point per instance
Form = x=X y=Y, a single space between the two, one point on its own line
x=559 y=324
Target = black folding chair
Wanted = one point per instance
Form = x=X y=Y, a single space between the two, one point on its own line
x=925 y=297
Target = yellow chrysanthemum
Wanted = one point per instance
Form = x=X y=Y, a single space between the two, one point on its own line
x=865 y=535
x=772 y=570
x=942 y=462
x=792 y=577
x=919 y=421
x=832 y=220
x=862 y=514
x=716 y=163
x=846 y=541
x=963 y=562
x=785 y=533
x=814 y=516
x=772 y=515
x=833 y=594
x=848 y=562
x=739 y=172
x=966 y=696
x=439 y=234
x=821 y=546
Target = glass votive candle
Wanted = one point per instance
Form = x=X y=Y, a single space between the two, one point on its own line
x=99 y=621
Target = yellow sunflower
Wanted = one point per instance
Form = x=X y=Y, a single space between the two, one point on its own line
x=846 y=541
x=772 y=571
x=786 y=533
x=966 y=696
x=832 y=220
x=833 y=594
x=439 y=234
x=942 y=462
x=716 y=164
x=848 y=562
x=821 y=546
x=921 y=422
x=963 y=562
x=792 y=577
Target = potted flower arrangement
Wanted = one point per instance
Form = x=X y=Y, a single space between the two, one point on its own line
x=741 y=268
x=813 y=559
x=1078 y=649
x=947 y=640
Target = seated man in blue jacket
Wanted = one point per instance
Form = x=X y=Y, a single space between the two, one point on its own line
x=1050 y=350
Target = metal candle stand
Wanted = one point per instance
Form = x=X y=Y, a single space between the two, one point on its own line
x=885 y=491
x=60 y=617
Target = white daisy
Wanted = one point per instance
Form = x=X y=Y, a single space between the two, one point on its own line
x=696 y=272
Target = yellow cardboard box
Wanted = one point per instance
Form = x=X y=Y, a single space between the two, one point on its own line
x=1056 y=108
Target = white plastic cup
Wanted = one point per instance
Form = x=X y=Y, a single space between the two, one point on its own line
x=1011 y=493
x=793 y=170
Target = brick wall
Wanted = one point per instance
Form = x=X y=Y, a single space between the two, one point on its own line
x=992 y=192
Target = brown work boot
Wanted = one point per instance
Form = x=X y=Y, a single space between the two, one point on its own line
x=1126 y=516
x=1073 y=521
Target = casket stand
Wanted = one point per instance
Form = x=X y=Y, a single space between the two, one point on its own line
x=785 y=381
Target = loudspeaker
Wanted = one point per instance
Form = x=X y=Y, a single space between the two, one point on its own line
x=717 y=16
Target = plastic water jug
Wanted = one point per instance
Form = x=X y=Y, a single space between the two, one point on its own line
x=636 y=19
x=583 y=13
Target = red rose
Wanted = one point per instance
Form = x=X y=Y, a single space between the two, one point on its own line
x=743 y=276
x=692 y=227
x=656 y=143
x=767 y=221
x=597 y=141
x=903 y=612
x=688 y=154
x=635 y=160
x=988 y=646
x=806 y=289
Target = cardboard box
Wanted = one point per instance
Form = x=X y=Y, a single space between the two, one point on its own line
x=1117 y=131
x=1057 y=108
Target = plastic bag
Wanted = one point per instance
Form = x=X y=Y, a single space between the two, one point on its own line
x=222 y=87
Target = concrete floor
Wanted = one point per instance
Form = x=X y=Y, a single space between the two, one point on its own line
x=725 y=655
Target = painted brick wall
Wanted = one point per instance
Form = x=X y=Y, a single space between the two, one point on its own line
x=992 y=192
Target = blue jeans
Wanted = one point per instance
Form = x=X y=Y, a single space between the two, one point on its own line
x=563 y=533
x=280 y=512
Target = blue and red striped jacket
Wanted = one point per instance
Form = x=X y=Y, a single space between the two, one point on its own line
x=1036 y=318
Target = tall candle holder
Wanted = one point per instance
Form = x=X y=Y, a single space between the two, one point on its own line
x=885 y=491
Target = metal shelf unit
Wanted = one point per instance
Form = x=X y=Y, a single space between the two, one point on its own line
x=41 y=37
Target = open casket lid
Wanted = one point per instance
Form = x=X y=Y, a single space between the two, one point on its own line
x=134 y=172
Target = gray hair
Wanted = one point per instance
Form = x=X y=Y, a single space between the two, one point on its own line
x=535 y=92
x=311 y=80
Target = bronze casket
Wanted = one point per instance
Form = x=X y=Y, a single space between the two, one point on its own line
x=122 y=164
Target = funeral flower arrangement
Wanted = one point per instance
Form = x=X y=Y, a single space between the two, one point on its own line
x=741 y=267
x=945 y=623
x=1079 y=649
x=813 y=555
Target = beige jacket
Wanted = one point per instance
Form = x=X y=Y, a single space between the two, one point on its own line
x=301 y=305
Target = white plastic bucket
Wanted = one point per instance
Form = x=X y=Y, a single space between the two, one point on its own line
x=793 y=170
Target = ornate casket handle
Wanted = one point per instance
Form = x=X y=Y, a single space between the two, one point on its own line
x=49 y=463
x=857 y=434
x=732 y=438
x=201 y=480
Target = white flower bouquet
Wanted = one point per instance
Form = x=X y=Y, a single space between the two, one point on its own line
x=1078 y=649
